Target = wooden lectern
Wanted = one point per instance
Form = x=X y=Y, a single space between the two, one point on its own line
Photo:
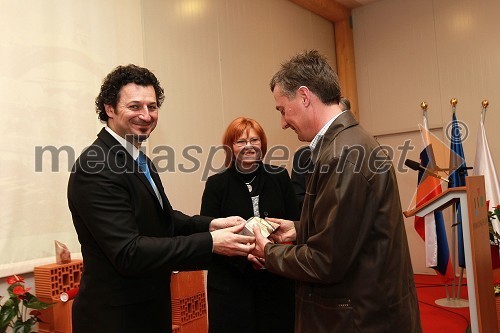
x=476 y=247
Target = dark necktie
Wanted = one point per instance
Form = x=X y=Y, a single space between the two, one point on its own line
x=143 y=167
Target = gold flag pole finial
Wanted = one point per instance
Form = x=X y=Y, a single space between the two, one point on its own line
x=453 y=103
x=425 y=130
x=485 y=104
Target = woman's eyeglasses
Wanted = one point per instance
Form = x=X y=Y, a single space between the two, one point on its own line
x=252 y=141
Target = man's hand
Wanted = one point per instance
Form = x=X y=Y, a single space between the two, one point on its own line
x=225 y=222
x=229 y=243
x=286 y=231
x=257 y=263
x=260 y=242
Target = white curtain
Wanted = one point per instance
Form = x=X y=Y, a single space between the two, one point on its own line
x=54 y=54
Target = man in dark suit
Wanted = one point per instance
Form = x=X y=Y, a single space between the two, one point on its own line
x=131 y=238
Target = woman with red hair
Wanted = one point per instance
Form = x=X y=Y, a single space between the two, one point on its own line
x=243 y=298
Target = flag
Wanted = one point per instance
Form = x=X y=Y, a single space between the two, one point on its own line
x=484 y=165
x=431 y=227
x=458 y=172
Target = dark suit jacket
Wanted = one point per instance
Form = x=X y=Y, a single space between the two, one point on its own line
x=240 y=298
x=129 y=243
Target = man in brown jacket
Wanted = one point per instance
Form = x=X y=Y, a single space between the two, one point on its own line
x=350 y=257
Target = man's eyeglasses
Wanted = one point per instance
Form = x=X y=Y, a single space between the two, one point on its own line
x=252 y=141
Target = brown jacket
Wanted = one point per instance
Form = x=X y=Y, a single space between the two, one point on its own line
x=351 y=261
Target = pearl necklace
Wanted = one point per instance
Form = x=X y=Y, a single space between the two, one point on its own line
x=249 y=186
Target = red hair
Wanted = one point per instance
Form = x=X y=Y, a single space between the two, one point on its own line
x=235 y=129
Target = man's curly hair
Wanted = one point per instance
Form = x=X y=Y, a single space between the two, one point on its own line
x=119 y=77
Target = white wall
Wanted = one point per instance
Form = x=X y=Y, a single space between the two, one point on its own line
x=429 y=50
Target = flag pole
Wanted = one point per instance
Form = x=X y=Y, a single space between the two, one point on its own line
x=455 y=289
x=485 y=104
x=424 y=107
x=427 y=139
x=457 y=301
x=461 y=274
x=484 y=165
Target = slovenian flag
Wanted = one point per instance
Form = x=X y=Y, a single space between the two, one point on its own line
x=431 y=227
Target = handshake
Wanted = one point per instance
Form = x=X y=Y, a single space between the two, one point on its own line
x=233 y=236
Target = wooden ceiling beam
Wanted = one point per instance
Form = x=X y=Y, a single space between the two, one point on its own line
x=340 y=16
x=346 y=69
x=328 y=9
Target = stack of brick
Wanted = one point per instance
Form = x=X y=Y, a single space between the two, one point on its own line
x=189 y=306
x=50 y=282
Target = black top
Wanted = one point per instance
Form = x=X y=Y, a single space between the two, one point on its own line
x=240 y=298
